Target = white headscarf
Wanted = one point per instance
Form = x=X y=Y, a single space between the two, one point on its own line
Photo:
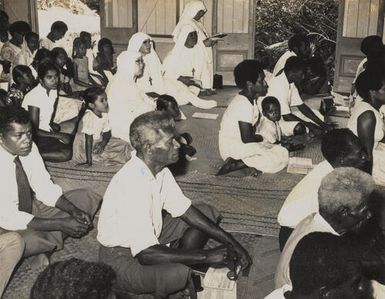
x=126 y=64
x=153 y=66
x=187 y=17
x=126 y=100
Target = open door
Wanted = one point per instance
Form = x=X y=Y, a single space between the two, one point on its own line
x=356 y=20
x=118 y=21
x=236 y=18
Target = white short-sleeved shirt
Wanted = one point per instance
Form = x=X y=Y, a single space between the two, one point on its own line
x=303 y=199
x=39 y=98
x=46 y=43
x=286 y=93
x=131 y=212
x=39 y=179
x=239 y=109
x=95 y=125
x=269 y=130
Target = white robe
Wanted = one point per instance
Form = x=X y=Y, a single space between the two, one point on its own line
x=154 y=81
x=126 y=100
x=187 y=18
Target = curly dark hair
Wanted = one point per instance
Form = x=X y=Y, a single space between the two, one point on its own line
x=12 y=114
x=247 y=70
x=321 y=260
x=74 y=279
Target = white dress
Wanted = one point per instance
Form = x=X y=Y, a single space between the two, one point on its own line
x=378 y=172
x=126 y=100
x=154 y=80
x=263 y=156
x=187 y=18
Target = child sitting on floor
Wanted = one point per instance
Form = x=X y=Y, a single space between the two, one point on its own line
x=82 y=79
x=104 y=63
x=24 y=82
x=268 y=125
x=187 y=151
x=93 y=141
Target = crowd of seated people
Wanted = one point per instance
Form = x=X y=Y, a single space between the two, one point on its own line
x=128 y=116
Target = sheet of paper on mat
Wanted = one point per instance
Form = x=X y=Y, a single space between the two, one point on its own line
x=205 y=115
x=299 y=165
x=217 y=286
x=67 y=108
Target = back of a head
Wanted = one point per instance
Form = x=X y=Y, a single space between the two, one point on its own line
x=12 y=114
x=336 y=143
x=84 y=35
x=30 y=35
x=102 y=42
x=294 y=64
x=343 y=188
x=247 y=70
x=59 y=26
x=321 y=260
x=145 y=129
x=55 y=52
x=19 y=71
x=370 y=79
x=371 y=44
x=20 y=27
x=75 y=279
x=296 y=40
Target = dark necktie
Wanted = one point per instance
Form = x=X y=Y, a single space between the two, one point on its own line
x=23 y=188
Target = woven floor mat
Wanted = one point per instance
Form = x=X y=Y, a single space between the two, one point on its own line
x=87 y=248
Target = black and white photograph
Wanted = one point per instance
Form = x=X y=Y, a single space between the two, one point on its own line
x=192 y=149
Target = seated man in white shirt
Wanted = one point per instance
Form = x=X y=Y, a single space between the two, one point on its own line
x=323 y=266
x=31 y=204
x=299 y=45
x=293 y=109
x=340 y=148
x=344 y=197
x=144 y=209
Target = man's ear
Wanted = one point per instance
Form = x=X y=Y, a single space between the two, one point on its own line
x=147 y=148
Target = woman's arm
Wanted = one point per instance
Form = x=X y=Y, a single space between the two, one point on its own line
x=34 y=113
x=366 y=124
x=247 y=133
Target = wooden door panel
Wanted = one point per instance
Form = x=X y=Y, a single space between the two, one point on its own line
x=234 y=17
x=357 y=19
x=118 y=21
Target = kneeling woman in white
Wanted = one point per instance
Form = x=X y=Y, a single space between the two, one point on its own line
x=153 y=80
x=237 y=138
x=126 y=100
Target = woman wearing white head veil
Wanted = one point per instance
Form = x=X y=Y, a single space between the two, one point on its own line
x=192 y=15
x=153 y=80
x=126 y=100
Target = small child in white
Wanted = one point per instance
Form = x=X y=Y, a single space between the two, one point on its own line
x=93 y=141
x=268 y=125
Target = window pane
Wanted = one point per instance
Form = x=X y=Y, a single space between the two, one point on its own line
x=118 y=13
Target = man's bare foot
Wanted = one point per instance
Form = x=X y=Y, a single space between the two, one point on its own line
x=231 y=165
x=39 y=261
